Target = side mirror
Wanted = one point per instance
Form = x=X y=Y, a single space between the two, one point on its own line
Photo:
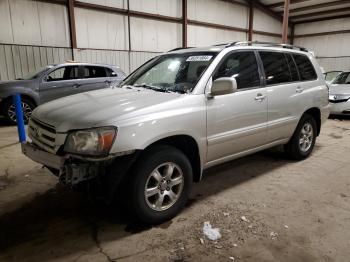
x=223 y=86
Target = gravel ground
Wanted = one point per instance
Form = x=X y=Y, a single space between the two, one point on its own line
x=266 y=207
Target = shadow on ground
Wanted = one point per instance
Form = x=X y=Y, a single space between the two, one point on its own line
x=62 y=215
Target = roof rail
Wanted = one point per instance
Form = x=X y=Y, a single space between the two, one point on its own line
x=179 y=48
x=268 y=44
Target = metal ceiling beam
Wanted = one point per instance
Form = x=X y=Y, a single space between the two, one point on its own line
x=281 y=4
x=322 y=19
x=313 y=7
x=327 y=12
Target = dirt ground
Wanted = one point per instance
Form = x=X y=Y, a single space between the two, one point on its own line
x=294 y=211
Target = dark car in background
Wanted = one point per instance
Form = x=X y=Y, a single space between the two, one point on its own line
x=55 y=81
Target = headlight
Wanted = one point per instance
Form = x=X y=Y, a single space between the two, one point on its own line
x=97 y=141
x=339 y=97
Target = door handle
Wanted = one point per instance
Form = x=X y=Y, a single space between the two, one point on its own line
x=259 y=97
x=299 y=89
x=76 y=85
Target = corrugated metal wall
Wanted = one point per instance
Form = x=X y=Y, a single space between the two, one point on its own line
x=18 y=60
x=332 y=51
x=35 y=33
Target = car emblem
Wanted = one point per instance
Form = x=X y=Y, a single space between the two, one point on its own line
x=335 y=97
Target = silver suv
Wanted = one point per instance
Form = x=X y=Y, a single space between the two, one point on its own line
x=55 y=81
x=177 y=115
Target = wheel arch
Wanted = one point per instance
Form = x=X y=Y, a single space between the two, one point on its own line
x=187 y=145
x=316 y=114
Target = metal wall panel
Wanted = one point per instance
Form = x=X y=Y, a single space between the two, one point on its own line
x=27 y=22
x=138 y=58
x=154 y=36
x=203 y=36
x=265 y=38
x=266 y=23
x=18 y=60
x=101 y=30
x=337 y=63
x=162 y=7
x=322 y=26
x=218 y=12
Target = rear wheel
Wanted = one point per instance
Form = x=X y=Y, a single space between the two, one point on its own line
x=160 y=185
x=10 y=111
x=303 y=140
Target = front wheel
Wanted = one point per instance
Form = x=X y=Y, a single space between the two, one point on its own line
x=303 y=140
x=160 y=185
x=10 y=111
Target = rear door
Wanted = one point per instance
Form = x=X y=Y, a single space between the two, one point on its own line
x=60 y=82
x=237 y=122
x=93 y=78
x=282 y=83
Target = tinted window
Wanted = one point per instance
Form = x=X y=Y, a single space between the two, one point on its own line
x=110 y=72
x=292 y=68
x=306 y=69
x=64 y=73
x=242 y=66
x=94 y=72
x=276 y=68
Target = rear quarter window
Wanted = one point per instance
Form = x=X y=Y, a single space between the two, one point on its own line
x=305 y=67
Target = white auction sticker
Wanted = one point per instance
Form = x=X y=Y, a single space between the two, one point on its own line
x=199 y=58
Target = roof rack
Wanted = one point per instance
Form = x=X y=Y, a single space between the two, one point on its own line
x=267 y=44
x=179 y=48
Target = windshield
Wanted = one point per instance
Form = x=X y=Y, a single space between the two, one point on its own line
x=343 y=78
x=34 y=74
x=329 y=76
x=171 y=72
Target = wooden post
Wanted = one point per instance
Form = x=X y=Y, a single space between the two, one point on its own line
x=285 y=22
x=251 y=21
x=184 y=23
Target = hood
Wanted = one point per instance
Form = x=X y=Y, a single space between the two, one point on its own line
x=339 y=89
x=95 y=108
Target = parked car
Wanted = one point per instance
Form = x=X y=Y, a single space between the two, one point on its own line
x=331 y=75
x=177 y=115
x=339 y=94
x=55 y=81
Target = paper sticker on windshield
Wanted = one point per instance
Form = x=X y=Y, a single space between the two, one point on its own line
x=198 y=58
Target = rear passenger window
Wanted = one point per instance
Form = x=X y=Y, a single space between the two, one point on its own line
x=292 y=68
x=242 y=66
x=305 y=67
x=276 y=68
x=94 y=72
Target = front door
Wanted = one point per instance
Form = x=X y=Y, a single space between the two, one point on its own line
x=60 y=82
x=237 y=122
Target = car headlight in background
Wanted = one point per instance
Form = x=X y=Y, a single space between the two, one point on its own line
x=96 y=142
x=339 y=97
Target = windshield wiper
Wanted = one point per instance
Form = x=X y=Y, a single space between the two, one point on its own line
x=155 y=88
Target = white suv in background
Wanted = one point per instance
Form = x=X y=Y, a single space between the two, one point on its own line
x=178 y=114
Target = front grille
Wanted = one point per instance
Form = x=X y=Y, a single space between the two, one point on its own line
x=43 y=135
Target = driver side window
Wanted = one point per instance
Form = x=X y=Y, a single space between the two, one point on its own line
x=64 y=73
x=242 y=66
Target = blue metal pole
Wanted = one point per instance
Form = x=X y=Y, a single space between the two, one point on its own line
x=19 y=116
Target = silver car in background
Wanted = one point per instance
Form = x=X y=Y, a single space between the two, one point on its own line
x=56 y=81
x=339 y=94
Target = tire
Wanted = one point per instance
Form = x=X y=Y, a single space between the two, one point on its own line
x=303 y=140
x=10 y=115
x=174 y=190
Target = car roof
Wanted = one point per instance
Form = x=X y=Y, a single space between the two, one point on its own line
x=69 y=63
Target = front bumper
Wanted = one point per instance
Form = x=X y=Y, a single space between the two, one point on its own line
x=70 y=171
x=342 y=108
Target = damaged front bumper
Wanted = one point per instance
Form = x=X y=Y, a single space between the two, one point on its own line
x=70 y=171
